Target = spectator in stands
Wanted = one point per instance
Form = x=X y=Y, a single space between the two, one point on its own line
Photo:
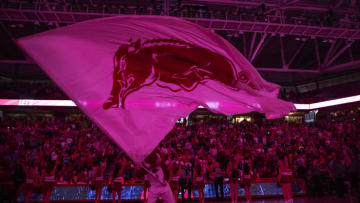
x=316 y=178
x=354 y=170
x=199 y=178
x=301 y=166
x=19 y=178
x=233 y=174
x=285 y=177
x=174 y=173
x=189 y=178
x=49 y=180
x=183 y=180
x=339 y=171
x=99 y=179
x=219 y=181
x=246 y=179
x=118 y=180
x=32 y=181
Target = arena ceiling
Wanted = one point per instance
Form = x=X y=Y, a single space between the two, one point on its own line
x=288 y=41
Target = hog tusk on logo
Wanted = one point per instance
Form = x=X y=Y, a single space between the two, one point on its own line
x=173 y=64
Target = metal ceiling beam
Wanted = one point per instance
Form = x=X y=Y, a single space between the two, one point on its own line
x=351 y=56
x=267 y=40
x=329 y=54
x=296 y=54
x=338 y=3
x=237 y=3
x=339 y=53
x=291 y=2
x=344 y=65
x=317 y=52
x=266 y=28
x=270 y=11
x=303 y=6
x=287 y=3
x=259 y=45
x=252 y=45
x=282 y=52
x=241 y=25
x=314 y=8
x=338 y=45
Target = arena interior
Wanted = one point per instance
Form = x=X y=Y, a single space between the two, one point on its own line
x=311 y=48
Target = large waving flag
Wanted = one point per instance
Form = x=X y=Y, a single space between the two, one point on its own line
x=135 y=76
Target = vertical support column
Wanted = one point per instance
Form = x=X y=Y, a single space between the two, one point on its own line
x=328 y=55
x=339 y=54
x=282 y=53
x=259 y=45
x=351 y=54
x=252 y=45
x=317 y=53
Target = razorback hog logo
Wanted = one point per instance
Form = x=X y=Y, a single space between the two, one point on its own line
x=172 y=64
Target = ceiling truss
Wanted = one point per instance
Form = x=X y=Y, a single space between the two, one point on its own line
x=271 y=26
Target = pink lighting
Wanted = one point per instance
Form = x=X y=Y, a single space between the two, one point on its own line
x=31 y=102
x=69 y=103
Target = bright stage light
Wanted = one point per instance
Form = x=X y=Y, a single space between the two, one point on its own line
x=328 y=103
x=334 y=102
x=302 y=106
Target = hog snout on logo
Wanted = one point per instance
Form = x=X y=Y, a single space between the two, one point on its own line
x=172 y=64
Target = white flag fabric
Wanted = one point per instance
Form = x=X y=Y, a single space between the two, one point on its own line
x=135 y=76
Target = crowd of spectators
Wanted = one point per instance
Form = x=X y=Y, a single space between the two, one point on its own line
x=319 y=152
x=30 y=90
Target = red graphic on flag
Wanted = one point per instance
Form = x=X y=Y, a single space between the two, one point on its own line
x=172 y=64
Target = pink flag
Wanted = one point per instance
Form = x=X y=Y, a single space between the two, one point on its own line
x=135 y=76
